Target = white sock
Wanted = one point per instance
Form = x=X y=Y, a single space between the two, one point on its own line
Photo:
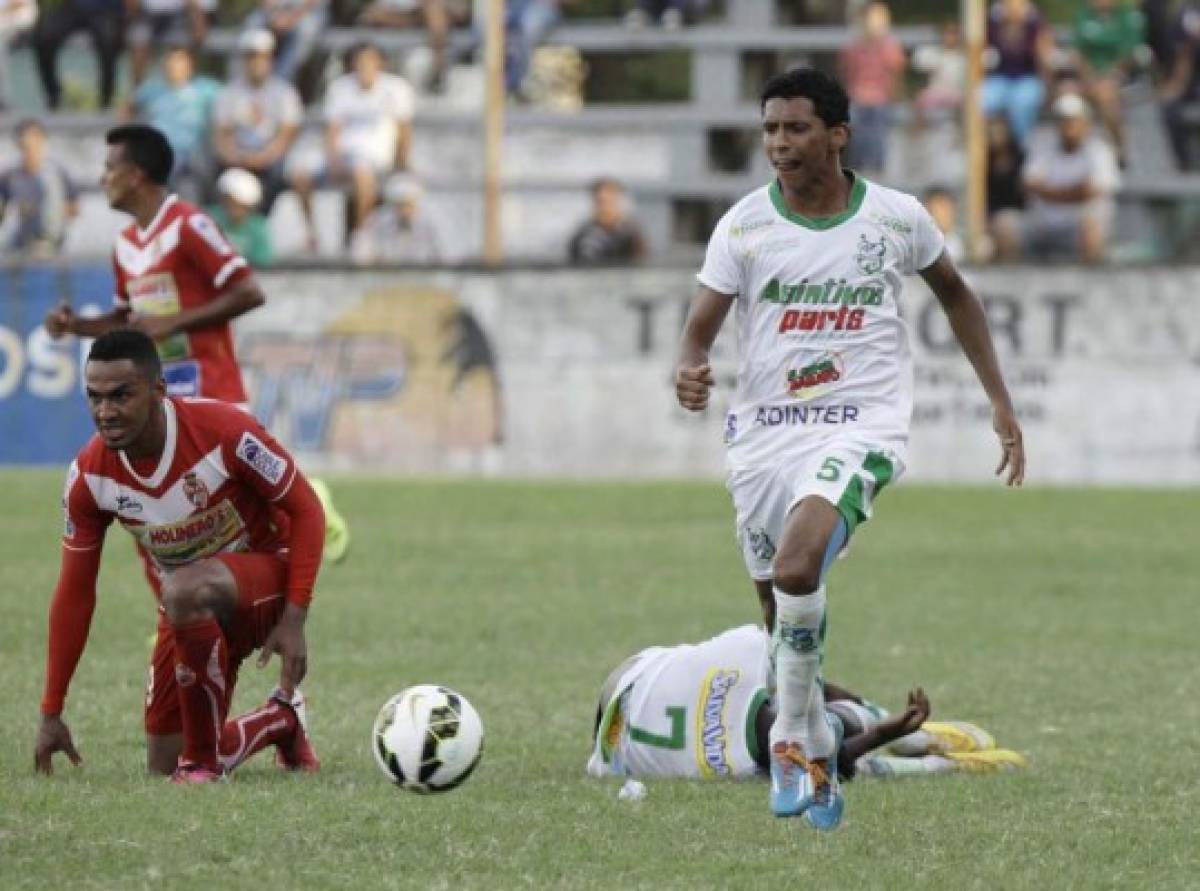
x=915 y=745
x=769 y=671
x=800 y=704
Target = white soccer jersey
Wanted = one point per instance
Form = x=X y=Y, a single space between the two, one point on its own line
x=824 y=351
x=687 y=711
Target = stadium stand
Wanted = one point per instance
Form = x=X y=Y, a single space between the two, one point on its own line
x=682 y=162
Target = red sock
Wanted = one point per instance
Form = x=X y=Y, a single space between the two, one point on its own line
x=254 y=731
x=201 y=672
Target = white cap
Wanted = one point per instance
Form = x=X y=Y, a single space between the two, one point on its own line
x=256 y=40
x=401 y=187
x=240 y=185
x=1071 y=105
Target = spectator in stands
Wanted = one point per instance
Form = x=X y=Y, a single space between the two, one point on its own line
x=670 y=14
x=179 y=103
x=1005 y=189
x=103 y=20
x=610 y=235
x=239 y=194
x=943 y=207
x=945 y=66
x=157 y=22
x=400 y=231
x=1070 y=179
x=45 y=197
x=436 y=16
x=526 y=25
x=1020 y=46
x=1182 y=88
x=257 y=117
x=1107 y=35
x=16 y=17
x=871 y=67
x=368 y=128
x=296 y=24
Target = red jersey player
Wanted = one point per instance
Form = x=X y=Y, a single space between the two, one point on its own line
x=177 y=278
x=179 y=281
x=231 y=533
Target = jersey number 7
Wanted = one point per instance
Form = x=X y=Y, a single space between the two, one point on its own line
x=677 y=715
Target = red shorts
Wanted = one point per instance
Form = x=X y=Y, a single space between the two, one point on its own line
x=260 y=580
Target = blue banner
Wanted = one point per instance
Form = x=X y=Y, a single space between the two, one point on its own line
x=43 y=415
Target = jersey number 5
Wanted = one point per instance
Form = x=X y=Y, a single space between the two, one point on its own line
x=830 y=470
x=677 y=738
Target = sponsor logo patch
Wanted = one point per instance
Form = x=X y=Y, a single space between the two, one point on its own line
x=219 y=528
x=713 y=734
x=816 y=377
x=269 y=466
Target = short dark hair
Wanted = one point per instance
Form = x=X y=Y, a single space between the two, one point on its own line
x=146 y=149
x=605 y=182
x=28 y=124
x=828 y=97
x=131 y=344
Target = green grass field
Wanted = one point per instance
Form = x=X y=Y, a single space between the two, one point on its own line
x=1062 y=620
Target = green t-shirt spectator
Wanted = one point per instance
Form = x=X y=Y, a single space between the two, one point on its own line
x=251 y=237
x=1106 y=39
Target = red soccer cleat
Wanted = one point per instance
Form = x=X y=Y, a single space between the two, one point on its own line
x=188 y=774
x=296 y=753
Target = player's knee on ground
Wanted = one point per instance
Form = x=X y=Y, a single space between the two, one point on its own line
x=191 y=594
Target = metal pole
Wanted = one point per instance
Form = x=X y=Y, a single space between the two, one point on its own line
x=974 y=29
x=493 y=132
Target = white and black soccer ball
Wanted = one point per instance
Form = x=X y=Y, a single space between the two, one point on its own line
x=427 y=739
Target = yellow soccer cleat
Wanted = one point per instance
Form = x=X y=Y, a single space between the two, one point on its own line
x=988 y=761
x=337 y=533
x=958 y=736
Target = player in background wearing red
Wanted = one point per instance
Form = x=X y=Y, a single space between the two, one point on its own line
x=179 y=281
x=231 y=533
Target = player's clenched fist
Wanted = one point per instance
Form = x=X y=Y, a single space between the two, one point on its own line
x=58 y=320
x=692 y=386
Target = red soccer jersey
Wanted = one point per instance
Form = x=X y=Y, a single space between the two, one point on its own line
x=222 y=484
x=181 y=260
x=212 y=491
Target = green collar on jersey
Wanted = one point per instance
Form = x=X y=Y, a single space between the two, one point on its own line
x=858 y=191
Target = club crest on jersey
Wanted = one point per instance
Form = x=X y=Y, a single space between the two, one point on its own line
x=815 y=378
x=127 y=504
x=269 y=466
x=184 y=676
x=195 y=491
x=870 y=255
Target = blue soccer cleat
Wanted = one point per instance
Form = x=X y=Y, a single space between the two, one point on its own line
x=787 y=774
x=822 y=793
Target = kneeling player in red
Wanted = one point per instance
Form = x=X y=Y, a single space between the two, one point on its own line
x=231 y=533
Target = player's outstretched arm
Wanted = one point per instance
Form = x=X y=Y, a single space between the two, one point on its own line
x=71 y=611
x=62 y=321
x=693 y=374
x=890 y=729
x=969 y=324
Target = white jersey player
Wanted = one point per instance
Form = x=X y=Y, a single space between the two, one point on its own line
x=702 y=711
x=814 y=264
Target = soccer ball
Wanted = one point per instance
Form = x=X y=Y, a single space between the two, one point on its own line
x=427 y=739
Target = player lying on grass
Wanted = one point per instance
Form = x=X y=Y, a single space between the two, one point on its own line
x=231 y=535
x=703 y=711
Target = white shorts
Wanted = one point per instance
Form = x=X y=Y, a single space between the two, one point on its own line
x=848 y=473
